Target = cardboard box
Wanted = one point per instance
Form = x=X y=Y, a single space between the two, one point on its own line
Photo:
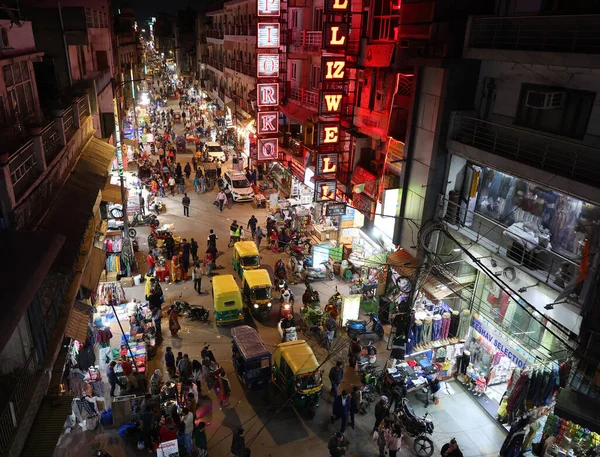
x=127 y=281
x=111 y=277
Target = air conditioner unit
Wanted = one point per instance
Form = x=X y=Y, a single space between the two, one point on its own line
x=545 y=100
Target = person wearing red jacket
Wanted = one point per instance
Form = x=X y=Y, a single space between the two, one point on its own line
x=151 y=264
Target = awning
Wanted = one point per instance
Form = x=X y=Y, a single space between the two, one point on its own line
x=220 y=113
x=77 y=327
x=297 y=113
x=404 y=263
x=112 y=193
x=93 y=270
x=231 y=106
x=437 y=289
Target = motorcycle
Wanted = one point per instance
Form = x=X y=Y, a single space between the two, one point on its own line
x=419 y=428
x=287 y=334
x=197 y=313
x=298 y=246
x=139 y=220
x=181 y=306
x=316 y=273
x=367 y=358
x=286 y=309
x=310 y=297
x=206 y=353
x=334 y=304
x=360 y=327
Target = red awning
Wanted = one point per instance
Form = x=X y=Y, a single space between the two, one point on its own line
x=297 y=113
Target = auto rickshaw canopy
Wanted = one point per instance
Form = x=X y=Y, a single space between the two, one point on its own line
x=225 y=289
x=258 y=278
x=298 y=355
x=246 y=248
x=249 y=342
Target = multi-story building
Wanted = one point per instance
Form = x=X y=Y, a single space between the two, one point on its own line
x=51 y=182
x=164 y=36
x=185 y=41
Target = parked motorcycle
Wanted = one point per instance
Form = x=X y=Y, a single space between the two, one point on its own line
x=197 y=313
x=298 y=245
x=419 y=428
x=181 y=306
x=139 y=220
x=367 y=358
x=316 y=273
x=360 y=327
x=206 y=353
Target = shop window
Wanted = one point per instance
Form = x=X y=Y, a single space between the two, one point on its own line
x=294 y=70
x=315 y=75
x=556 y=110
x=318 y=20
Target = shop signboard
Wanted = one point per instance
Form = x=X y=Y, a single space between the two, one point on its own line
x=268 y=35
x=335 y=209
x=329 y=133
x=267 y=65
x=270 y=8
x=373 y=121
x=168 y=449
x=364 y=204
x=349 y=214
x=267 y=148
x=336 y=36
x=337 y=6
x=325 y=190
x=268 y=122
x=350 y=308
x=268 y=94
x=394 y=157
x=499 y=342
x=327 y=163
x=379 y=55
x=333 y=68
x=331 y=103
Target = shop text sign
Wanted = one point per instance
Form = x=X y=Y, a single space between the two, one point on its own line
x=335 y=209
x=326 y=163
x=337 y=6
x=336 y=35
x=329 y=134
x=499 y=343
x=331 y=103
x=268 y=122
x=269 y=8
x=268 y=35
x=268 y=94
x=325 y=190
x=267 y=148
x=268 y=65
x=334 y=68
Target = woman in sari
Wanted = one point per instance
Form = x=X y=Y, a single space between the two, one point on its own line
x=174 y=326
x=175 y=269
x=222 y=387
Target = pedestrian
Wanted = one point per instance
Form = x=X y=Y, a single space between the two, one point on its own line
x=185 y=258
x=355 y=403
x=179 y=358
x=341 y=409
x=156 y=317
x=336 y=373
x=147 y=422
x=170 y=363
x=155 y=383
x=197 y=273
x=142 y=204
x=238 y=444
x=175 y=268
x=382 y=411
x=202 y=184
x=185 y=201
x=113 y=379
x=196 y=183
x=127 y=368
x=222 y=388
x=393 y=439
x=151 y=264
x=451 y=449
x=218 y=168
x=174 y=326
x=187 y=170
x=228 y=195
x=200 y=441
x=252 y=225
x=212 y=240
x=354 y=351
x=185 y=368
x=169 y=245
x=258 y=237
x=171 y=183
x=188 y=421
x=181 y=182
x=382 y=431
x=338 y=444
x=221 y=198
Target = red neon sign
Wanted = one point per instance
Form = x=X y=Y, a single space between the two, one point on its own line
x=268 y=122
x=334 y=68
x=268 y=94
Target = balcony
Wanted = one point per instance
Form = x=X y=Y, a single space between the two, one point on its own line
x=545 y=36
x=36 y=158
x=215 y=34
x=243 y=104
x=306 y=41
x=216 y=64
x=241 y=30
x=542 y=263
x=306 y=97
x=247 y=69
x=578 y=163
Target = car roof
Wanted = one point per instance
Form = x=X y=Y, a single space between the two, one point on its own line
x=212 y=143
x=236 y=174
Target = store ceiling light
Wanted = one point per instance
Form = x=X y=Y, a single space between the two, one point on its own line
x=456 y=249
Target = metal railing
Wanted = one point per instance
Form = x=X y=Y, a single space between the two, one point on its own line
x=537 y=33
x=51 y=141
x=241 y=30
x=69 y=122
x=248 y=69
x=543 y=262
x=309 y=97
x=570 y=159
x=23 y=168
x=243 y=104
x=309 y=40
x=216 y=64
x=84 y=108
x=216 y=33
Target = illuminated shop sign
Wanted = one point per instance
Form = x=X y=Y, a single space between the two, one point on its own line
x=268 y=65
x=337 y=6
x=325 y=191
x=267 y=148
x=331 y=103
x=326 y=163
x=269 y=7
x=336 y=35
x=268 y=94
x=334 y=68
x=268 y=122
x=268 y=35
x=335 y=209
x=329 y=133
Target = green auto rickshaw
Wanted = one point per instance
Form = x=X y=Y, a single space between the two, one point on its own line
x=245 y=257
x=296 y=372
x=227 y=300
x=257 y=291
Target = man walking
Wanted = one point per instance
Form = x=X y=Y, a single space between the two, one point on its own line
x=341 y=408
x=186 y=205
x=194 y=249
x=335 y=376
x=337 y=445
x=238 y=444
x=258 y=237
x=211 y=242
x=252 y=225
x=355 y=404
x=170 y=362
x=382 y=411
x=197 y=273
x=221 y=197
x=185 y=368
x=113 y=379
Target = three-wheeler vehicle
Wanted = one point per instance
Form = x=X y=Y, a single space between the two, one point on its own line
x=257 y=291
x=245 y=257
x=227 y=300
x=251 y=358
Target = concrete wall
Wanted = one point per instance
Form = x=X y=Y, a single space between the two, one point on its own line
x=20 y=39
x=19 y=347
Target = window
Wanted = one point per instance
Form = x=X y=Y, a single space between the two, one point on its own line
x=315 y=75
x=294 y=70
x=555 y=110
x=20 y=91
x=294 y=19
x=318 y=19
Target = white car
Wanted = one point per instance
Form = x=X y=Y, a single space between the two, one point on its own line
x=215 y=152
x=239 y=185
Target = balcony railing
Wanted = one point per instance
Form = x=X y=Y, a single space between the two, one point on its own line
x=308 y=97
x=569 y=159
x=217 y=64
x=537 y=33
x=218 y=34
x=241 y=67
x=308 y=40
x=31 y=160
x=543 y=263
x=243 y=104
x=241 y=30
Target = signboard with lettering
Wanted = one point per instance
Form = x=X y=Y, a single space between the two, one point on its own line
x=333 y=68
x=326 y=163
x=270 y=8
x=268 y=94
x=394 y=157
x=335 y=36
x=329 y=133
x=325 y=190
x=364 y=204
x=267 y=122
x=268 y=35
x=517 y=357
x=268 y=65
x=374 y=121
x=331 y=103
x=335 y=209
x=337 y=6
x=267 y=148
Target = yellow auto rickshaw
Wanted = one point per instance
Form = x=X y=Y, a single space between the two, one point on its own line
x=245 y=257
x=257 y=291
x=296 y=372
x=227 y=300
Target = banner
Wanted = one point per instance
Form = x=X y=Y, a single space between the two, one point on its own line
x=492 y=335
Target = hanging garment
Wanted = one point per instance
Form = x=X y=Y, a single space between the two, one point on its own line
x=426 y=330
x=454 y=320
x=462 y=363
x=464 y=324
x=418 y=332
x=445 y=325
x=514 y=440
x=436 y=328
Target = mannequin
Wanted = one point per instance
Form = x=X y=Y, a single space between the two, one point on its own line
x=462 y=362
x=454 y=320
x=436 y=329
x=426 y=331
x=480 y=385
x=445 y=327
x=469 y=376
x=464 y=324
x=418 y=333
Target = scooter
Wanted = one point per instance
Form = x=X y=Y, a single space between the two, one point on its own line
x=287 y=334
x=368 y=357
x=316 y=273
x=360 y=327
x=181 y=306
x=286 y=309
x=148 y=219
x=206 y=353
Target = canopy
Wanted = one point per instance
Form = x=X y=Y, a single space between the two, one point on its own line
x=224 y=285
x=299 y=356
x=249 y=343
x=246 y=248
x=257 y=278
